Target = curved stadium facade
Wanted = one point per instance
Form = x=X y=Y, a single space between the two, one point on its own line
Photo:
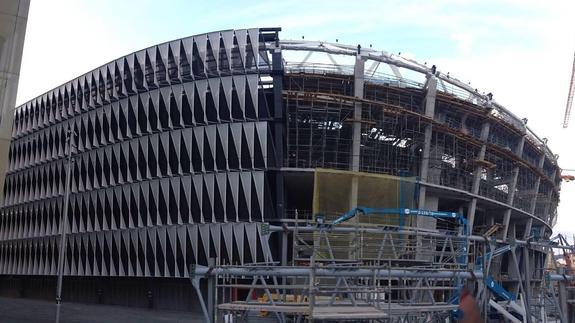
x=179 y=151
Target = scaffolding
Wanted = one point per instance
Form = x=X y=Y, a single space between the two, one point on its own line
x=407 y=118
x=393 y=264
x=401 y=274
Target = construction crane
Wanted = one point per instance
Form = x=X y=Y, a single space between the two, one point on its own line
x=402 y=212
x=570 y=97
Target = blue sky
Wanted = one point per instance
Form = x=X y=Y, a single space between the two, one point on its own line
x=520 y=50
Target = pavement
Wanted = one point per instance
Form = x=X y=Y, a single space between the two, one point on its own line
x=21 y=310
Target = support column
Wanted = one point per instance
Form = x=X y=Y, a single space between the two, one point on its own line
x=359 y=82
x=284 y=259
x=477 y=174
x=431 y=92
x=549 y=196
x=527 y=280
x=512 y=187
x=279 y=128
x=533 y=205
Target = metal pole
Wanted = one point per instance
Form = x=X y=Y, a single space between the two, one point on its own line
x=309 y=228
x=64 y=227
x=311 y=293
x=527 y=284
x=284 y=261
x=563 y=304
x=348 y=272
x=212 y=285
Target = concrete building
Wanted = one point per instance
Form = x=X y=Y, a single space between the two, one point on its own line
x=182 y=150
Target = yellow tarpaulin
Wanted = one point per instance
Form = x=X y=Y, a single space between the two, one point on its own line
x=336 y=192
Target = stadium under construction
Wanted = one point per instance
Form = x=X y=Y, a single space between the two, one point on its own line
x=247 y=177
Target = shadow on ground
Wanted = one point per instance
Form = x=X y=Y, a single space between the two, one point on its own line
x=19 y=310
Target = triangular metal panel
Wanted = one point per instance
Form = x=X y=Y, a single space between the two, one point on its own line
x=215 y=91
x=164 y=191
x=221 y=179
x=228 y=38
x=255 y=40
x=161 y=235
x=259 y=182
x=181 y=237
x=145 y=194
x=199 y=137
x=236 y=132
x=205 y=237
x=136 y=212
x=126 y=212
x=197 y=180
x=155 y=193
x=134 y=235
x=150 y=54
x=201 y=88
x=72 y=261
x=166 y=91
x=227 y=232
x=164 y=141
x=186 y=183
x=175 y=137
x=153 y=147
x=249 y=130
x=155 y=96
x=216 y=236
x=193 y=236
x=262 y=131
x=241 y=37
x=253 y=84
x=222 y=131
x=102 y=200
x=209 y=183
x=214 y=39
x=187 y=134
x=124 y=106
x=246 y=180
x=118 y=240
x=240 y=84
x=143 y=241
x=201 y=42
x=239 y=238
x=140 y=57
x=174 y=197
x=251 y=233
x=163 y=49
x=227 y=87
x=143 y=143
x=110 y=197
x=134 y=102
x=188 y=48
x=153 y=236
x=189 y=89
x=108 y=236
x=210 y=132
